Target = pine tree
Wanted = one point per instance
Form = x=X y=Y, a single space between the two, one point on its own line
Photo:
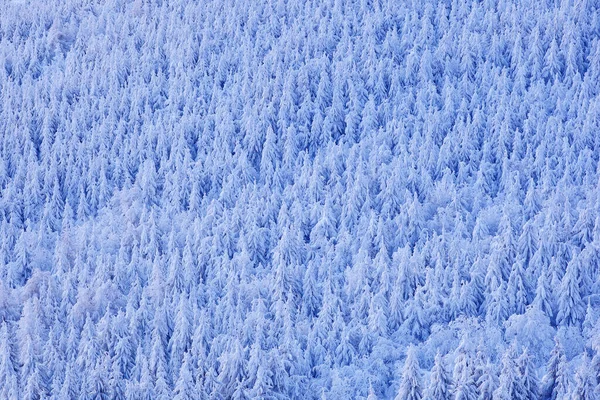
x=410 y=383
x=591 y=317
x=69 y=388
x=528 y=377
x=263 y=386
x=88 y=350
x=465 y=387
x=528 y=242
x=440 y=383
x=544 y=299
x=161 y=386
x=146 y=384
x=21 y=269
x=240 y=392
x=498 y=307
x=585 y=382
x=116 y=382
x=234 y=368
x=33 y=388
x=124 y=355
x=310 y=298
x=416 y=317
x=487 y=383
x=181 y=339
x=554 y=383
x=571 y=307
x=148 y=183
x=511 y=385
x=517 y=291
x=8 y=363
x=97 y=385
x=184 y=388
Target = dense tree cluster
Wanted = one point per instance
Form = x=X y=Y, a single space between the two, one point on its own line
x=299 y=199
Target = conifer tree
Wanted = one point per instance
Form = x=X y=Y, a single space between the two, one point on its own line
x=585 y=382
x=440 y=383
x=510 y=381
x=554 y=383
x=410 y=383
x=487 y=383
x=528 y=377
x=184 y=387
x=570 y=304
x=8 y=362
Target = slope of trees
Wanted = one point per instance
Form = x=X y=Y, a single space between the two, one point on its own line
x=299 y=199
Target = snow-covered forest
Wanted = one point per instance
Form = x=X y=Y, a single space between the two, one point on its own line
x=300 y=199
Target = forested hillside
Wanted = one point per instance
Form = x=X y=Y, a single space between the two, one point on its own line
x=300 y=199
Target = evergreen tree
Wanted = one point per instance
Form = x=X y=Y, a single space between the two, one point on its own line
x=410 y=383
x=544 y=298
x=116 y=382
x=184 y=387
x=554 y=383
x=97 y=388
x=440 y=384
x=528 y=376
x=465 y=386
x=487 y=383
x=570 y=303
x=8 y=363
x=510 y=383
x=585 y=382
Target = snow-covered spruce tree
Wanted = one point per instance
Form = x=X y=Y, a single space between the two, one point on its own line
x=511 y=384
x=8 y=363
x=571 y=307
x=440 y=382
x=410 y=382
x=529 y=379
x=585 y=382
x=555 y=382
x=487 y=383
x=465 y=385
